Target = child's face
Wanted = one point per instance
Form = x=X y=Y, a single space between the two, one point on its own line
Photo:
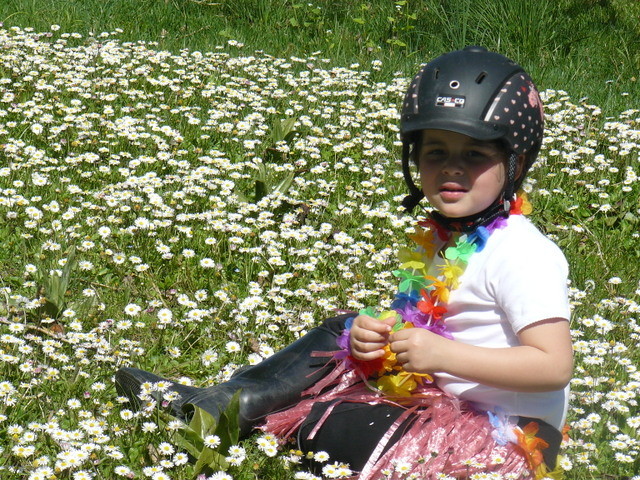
x=460 y=176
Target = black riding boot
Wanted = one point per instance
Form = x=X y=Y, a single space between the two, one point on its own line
x=274 y=384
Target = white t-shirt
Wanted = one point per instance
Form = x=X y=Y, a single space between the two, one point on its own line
x=519 y=278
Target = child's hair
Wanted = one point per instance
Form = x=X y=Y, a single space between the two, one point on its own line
x=477 y=93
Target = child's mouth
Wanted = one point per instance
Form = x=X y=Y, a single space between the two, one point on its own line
x=449 y=192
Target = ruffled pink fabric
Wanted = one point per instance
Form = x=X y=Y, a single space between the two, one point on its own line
x=446 y=437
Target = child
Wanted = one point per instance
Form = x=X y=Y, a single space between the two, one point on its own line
x=469 y=370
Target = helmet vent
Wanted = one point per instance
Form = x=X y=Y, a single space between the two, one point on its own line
x=481 y=77
x=436 y=73
x=454 y=84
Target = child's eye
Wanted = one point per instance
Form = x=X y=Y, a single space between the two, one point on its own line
x=433 y=153
x=477 y=156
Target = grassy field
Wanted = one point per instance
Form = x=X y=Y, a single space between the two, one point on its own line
x=590 y=48
x=156 y=213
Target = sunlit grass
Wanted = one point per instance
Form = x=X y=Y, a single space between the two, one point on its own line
x=134 y=234
x=589 y=48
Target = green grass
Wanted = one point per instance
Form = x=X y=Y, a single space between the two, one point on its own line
x=588 y=48
x=131 y=186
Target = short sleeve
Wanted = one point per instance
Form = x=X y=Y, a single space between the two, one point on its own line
x=532 y=283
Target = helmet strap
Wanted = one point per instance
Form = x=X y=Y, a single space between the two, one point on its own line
x=512 y=168
x=470 y=223
x=415 y=194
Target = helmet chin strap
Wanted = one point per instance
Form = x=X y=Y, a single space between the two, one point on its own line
x=470 y=223
x=415 y=194
x=512 y=168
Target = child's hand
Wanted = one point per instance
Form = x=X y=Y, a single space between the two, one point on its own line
x=369 y=336
x=418 y=350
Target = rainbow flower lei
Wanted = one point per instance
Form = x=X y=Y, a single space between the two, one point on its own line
x=421 y=300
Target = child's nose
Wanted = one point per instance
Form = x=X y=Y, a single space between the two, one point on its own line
x=453 y=166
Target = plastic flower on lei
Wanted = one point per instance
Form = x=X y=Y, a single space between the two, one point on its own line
x=428 y=305
x=506 y=431
x=411 y=314
x=480 y=237
x=410 y=281
x=503 y=429
x=452 y=273
x=403 y=299
x=425 y=239
x=433 y=226
x=388 y=361
x=343 y=340
x=521 y=205
x=439 y=289
x=462 y=251
x=531 y=445
x=412 y=259
x=402 y=384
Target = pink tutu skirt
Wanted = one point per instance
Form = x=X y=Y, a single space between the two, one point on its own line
x=446 y=435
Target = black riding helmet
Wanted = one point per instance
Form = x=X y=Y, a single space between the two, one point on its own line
x=477 y=93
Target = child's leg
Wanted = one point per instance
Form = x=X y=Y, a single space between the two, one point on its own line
x=275 y=383
x=351 y=432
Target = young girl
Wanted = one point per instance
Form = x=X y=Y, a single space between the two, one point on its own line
x=469 y=369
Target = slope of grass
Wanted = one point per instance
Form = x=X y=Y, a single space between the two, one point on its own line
x=589 y=48
x=191 y=211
